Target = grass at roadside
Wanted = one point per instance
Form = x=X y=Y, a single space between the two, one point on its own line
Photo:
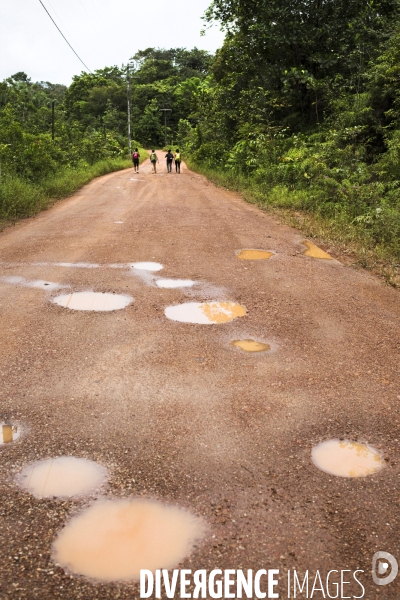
x=353 y=241
x=19 y=198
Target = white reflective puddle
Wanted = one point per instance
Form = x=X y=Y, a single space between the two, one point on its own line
x=175 y=283
x=113 y=540
x=78 y=265
x=208 y=313
x=63 y=477
x=9 y=433
x=147 y=266
x=93 y=301
x=37 y=283
x=346 y=458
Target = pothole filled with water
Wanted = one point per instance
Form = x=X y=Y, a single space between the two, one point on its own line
x=9 y=433
x=315 y=252
x=208 y=313
x=62 y=477
x=255 y=255
x=93 y=301
x=175 y=283
x=114 y=539
x=251 y=345
x=346 y=458
x=147 y=266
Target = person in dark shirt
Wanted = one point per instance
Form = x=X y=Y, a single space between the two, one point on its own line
x=170 y=157
x=135 y=160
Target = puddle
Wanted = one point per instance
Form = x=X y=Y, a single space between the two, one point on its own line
x=175 y=283
x=346 y=459
x=114 y=539
x=251 y=345
x=147 y=266
x=63 y=477
x=255 y=255
x=93 y=301
x=9 y=433
x=37 y=283
x=79 y=265
x=118 y=222
x=209 y=313
x=315 y=252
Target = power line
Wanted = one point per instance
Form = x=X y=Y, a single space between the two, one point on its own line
x=77 y=55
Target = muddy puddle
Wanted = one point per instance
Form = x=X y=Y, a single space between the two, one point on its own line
x=93 y=301
x=147 y=266
x=255 y=255
x=175 y=283
x=208 y=313
x=347 y=458
x=114 y=539
x=9 y=433
x=62 y=477
x=315 y=252
x=251 y=345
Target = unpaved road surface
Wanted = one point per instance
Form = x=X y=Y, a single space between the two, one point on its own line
x=172 y=410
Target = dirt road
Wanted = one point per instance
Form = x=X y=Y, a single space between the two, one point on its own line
x=172 y=410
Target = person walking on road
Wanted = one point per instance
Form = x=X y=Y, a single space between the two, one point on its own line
x=177 y=161
x=170 y=157
x=154 y=161
x=135 y=160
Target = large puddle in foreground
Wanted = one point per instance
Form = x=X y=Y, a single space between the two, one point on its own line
x=208 y=313
x=62 y=477
x=9 y=433
x=255 y=255
x=114 y=539
x=95 y=301
x=315 y=252
x=346 y=458
x=250 y=345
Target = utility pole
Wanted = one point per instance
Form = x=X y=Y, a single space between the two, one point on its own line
x=128 y=80
x=129 y=99
x=52 y=119
x=165 y=110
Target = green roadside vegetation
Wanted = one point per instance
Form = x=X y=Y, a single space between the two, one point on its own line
x=36 y=170
x=20 y=198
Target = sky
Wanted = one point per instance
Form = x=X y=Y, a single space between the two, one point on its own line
x=102 y=32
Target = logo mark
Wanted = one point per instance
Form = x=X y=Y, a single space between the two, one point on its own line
x=380 y=565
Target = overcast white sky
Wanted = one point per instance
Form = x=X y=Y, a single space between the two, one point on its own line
x=103 y=33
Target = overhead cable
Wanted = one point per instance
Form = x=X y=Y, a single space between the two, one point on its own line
x=76 y=54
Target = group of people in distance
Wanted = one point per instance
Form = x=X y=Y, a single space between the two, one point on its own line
x=170 y=158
